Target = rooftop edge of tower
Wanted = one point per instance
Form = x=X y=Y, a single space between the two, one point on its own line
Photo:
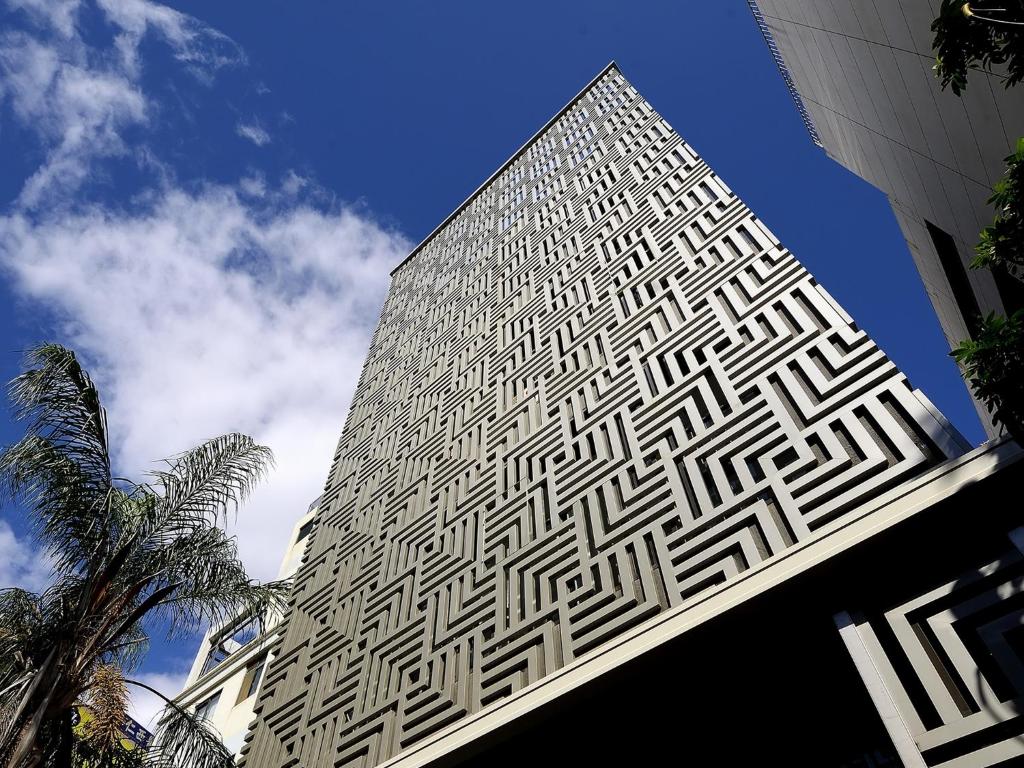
x=515 y=155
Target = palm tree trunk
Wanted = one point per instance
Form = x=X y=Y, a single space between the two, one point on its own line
x=63 y=737
x=26 y=753
x=26 y=699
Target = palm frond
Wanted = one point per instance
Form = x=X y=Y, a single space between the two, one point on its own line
x=20 y=612
x=212 y=585
x=63 y=506
x=60 y=469
x=212 y=478
x=58 y=399
x=9 y=698
x=128 y=650
x=187 y=742
x=126 y=556
x=204 y=606
x=183 y=740
x=21 y=617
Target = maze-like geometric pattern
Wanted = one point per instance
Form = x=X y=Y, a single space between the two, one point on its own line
x=600 y=389
x=953 y=660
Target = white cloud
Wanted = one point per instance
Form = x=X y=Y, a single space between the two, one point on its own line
x=206 y=308
x=254 y=132
x=293 y=183
x=79 y=99
x=61 y=15
x=146 y=706
x=78 y=111
x=202 y=49
x=237 y=307
x=202 y=314
x=20 y=565
x=253 y=186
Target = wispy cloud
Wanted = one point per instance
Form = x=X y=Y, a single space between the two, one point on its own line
x=60 y=15
x=80 y=99
x=254 y=132
x=234 y=307
x=205 y=313
x=20 y=564
x=201 y=308
x=77 y=110
x=200 y=48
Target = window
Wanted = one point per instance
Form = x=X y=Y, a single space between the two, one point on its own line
x=253 y=676
x=229 y=641
x=748 y=238
x=305 y=530
x=956 y=276
x=712 y=195
x=205 y=709
x=1011 y=289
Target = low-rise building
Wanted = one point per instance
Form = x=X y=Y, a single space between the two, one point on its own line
x=229 y=665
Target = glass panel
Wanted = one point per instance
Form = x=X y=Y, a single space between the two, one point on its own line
x=230 y=641
x=205 y=709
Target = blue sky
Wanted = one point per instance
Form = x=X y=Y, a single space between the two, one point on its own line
x=205 y=199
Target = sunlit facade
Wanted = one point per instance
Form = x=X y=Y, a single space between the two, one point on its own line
x=604 y=413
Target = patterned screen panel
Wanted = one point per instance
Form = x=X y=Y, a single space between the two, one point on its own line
x=600 y=389
x=952 y=659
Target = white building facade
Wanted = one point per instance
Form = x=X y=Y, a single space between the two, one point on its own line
x=603 y=407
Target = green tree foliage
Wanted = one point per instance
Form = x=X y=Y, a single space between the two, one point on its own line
x=987 y=35
x=993 y=364
x=990 y=36
x=1002 y=241
x=129 y=558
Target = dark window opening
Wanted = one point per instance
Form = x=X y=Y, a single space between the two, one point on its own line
x=206 y=708
x=230 y=641
x=1010 y=288
x=956 y=276
x=305 y=530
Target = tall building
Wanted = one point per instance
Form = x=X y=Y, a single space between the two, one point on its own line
x=228 y=668
x=617 y=472
x=861 y=75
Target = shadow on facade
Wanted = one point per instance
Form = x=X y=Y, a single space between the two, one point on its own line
x=771 y=682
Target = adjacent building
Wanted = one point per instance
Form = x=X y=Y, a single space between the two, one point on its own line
x=229 y=666
x=621 y=479
x=861 y=74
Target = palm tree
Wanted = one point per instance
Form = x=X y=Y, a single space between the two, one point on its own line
x=128 y=559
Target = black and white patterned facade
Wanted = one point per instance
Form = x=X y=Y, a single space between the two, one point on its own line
x=598 y=390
